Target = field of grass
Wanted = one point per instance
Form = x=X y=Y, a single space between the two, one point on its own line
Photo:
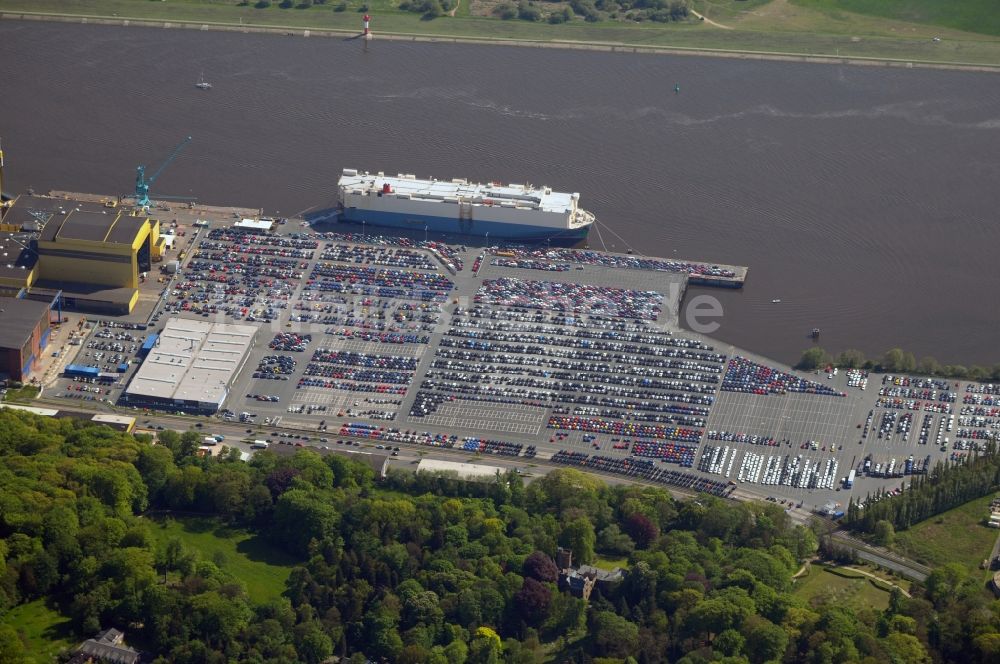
x=26 y=393
x=608 y=563
x=44 y=632
x=956 y=536
x=821 y=585
x=262 y=568
x=982 y=16
x=798 y=27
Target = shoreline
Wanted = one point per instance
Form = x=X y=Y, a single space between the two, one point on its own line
x=608 y=47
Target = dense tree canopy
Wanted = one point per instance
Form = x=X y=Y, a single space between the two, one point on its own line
x=427 y=568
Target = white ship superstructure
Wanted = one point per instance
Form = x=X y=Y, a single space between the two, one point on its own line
x=496 y=210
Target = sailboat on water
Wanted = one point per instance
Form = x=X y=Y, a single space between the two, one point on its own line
x=202 y=84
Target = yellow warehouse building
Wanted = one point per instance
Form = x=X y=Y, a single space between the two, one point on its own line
x=108 y=248
x=93 y=253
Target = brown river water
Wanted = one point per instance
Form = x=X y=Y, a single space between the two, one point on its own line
x=866 y=199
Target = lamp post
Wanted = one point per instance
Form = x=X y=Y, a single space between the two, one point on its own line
x=487 y=238
x=425 y=233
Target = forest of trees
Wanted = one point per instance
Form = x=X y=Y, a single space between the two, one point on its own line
x=430 y=569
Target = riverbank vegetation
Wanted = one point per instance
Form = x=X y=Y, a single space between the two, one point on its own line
x=797 y=27
x=895 y=360
x=417 y=568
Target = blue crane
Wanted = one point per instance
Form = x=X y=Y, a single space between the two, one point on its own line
x=142 y=184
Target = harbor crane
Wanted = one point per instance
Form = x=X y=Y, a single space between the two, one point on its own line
x=142 y=184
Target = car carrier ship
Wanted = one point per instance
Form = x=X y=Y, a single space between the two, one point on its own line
x=495 y=210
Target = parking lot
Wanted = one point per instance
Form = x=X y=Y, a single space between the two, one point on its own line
x=109 y=347
x=576 y=357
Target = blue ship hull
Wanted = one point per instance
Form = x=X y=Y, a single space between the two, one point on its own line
x=498 y=230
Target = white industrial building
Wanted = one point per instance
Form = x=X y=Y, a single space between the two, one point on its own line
x=192 y=366
x=465 y=471
x=262 y=224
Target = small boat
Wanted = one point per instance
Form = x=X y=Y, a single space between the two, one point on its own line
x=202 y=84
x=775 y=301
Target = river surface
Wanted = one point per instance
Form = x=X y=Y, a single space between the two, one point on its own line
x=866 y=199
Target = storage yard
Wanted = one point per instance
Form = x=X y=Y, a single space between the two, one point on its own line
x=562 y=354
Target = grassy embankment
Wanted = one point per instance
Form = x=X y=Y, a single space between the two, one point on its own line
x=842 y=587
x=610 y=563
x=262 y=568
x=21 y=394
x=892 y=30
x=956 y=536
x=43 y=631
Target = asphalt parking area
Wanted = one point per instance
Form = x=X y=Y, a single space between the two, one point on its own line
x=799 y=418
x=574 y=362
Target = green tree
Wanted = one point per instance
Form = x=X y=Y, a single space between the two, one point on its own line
x=155 y=463
x=301 y=516
x=713 y=616
x=813 y=359
x=851 y=359
x=729 y=643
x=313 y=645
x=765 y=641
x=929 y=366
x=382 y=634
x=11 y=648
x=988 y=646
x=218 y=619
x=190 y=442
x=485 y=647
x=904 y=649
x=456 y=652
x=613 y=635
x=884 y=534
x=943 y=583
x=578 y=535
x=506 y=11
x=172 y=554
x=895 y=359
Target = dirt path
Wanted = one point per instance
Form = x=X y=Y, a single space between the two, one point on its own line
x=879 y=578
x=455 y=8
x=709 y=21
x=996 y=550
x=805 y=568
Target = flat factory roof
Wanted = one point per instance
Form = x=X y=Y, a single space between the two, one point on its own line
x=255 y=224
x=108 y=225
x=193 y=361
x=16 y=258
x=18 y=319
x=464 y=470
x=40 y=209
x=512 y=194
x=104 y=418
x=44 y=412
